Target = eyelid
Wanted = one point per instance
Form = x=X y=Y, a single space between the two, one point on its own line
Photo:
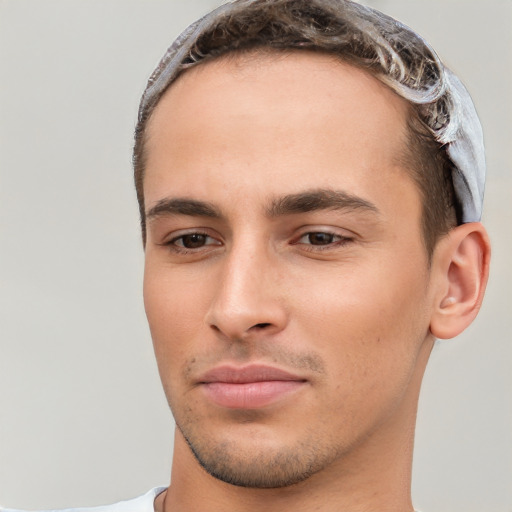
x=175 y=241
x=183 y=235
x=329 y=233
x=328 y=230
x=169 y=241
x=341 y=238
x=178 y=233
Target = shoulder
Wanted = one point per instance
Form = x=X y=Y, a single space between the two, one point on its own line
x=142 y=503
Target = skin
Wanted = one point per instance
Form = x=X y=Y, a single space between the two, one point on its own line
x=339 y=293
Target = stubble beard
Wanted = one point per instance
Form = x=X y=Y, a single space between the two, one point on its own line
x=258 y=468
x=245 y=460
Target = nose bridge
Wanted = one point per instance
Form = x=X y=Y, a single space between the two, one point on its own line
x=248 y=297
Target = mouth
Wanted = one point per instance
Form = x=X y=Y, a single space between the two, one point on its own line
x=249 y=387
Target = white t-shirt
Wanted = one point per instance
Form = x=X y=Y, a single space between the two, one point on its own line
x=143 y=503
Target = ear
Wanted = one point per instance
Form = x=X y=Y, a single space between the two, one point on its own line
x=461 y=265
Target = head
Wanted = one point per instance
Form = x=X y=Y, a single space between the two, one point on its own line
x=444 y=151
x=299 y=262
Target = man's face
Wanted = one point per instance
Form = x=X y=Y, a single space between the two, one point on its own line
x=286 y=281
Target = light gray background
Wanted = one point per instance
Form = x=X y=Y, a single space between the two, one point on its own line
x=82 y=418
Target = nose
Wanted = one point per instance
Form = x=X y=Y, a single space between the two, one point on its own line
x=249 y=298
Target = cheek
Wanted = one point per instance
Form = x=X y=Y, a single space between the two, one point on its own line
x=175 y=308
x=368 y=324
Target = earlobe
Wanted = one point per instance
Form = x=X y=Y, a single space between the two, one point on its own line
x=461 y=262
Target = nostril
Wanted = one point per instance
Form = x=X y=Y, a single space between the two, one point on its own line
x=261 y=326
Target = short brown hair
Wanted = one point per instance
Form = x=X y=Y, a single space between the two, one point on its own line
x=355 y=34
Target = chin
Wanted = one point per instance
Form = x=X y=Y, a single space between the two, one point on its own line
x=256 y=464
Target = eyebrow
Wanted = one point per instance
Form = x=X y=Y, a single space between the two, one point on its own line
x=183 y=206
x=319 y=199
x=303 y=202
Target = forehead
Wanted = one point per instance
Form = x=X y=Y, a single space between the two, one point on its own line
x=280 y=115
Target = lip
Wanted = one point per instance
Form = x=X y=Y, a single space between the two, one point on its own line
x=249 y=387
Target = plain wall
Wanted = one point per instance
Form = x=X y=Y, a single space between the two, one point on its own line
x=83 y=420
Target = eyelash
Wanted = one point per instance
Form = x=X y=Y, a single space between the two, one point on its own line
x=337 y=241
x=173 y=246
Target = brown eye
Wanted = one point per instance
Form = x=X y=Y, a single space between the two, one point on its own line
x=320 y=238
x=192 y=241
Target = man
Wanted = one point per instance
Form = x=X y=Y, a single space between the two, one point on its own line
x=310 y=183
